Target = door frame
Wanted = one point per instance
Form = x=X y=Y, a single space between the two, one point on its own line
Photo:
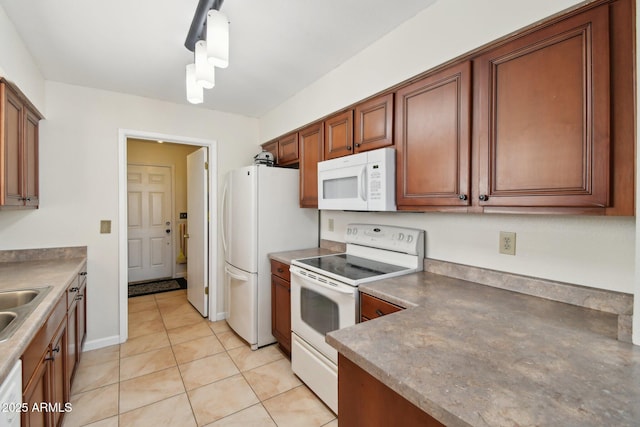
x=173 y=208
x=212 y=145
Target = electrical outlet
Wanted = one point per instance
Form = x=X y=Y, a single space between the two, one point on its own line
x=507 y=243
x=105 y=226
x=330 y=224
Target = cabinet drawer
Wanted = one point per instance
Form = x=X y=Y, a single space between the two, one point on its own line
x=372 y=307
x=281 y=270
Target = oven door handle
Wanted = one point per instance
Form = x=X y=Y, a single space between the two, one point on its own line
x=322 y=285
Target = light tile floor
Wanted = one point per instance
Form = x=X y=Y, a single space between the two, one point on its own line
x=180 y=370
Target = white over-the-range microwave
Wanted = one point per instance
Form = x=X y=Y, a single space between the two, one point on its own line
x=358 y=182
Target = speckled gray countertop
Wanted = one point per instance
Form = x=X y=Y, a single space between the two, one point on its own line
x=57 y=273
x=287 y=257
x=473 y=355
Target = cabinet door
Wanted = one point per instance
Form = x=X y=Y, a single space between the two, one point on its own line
x=543 y=116
x=36 y=392
x=365 y=401
x=281 y=311
x=57 y=365
x=272 y=147
x=433 y=140
x=311 y=146
x=12 y=166
x=31 y=184
x=72 y=342
x=373 y=126
x=288 y=149
x=338 y=135
x=82 y=319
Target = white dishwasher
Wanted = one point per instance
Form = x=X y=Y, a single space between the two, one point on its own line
x=11 y=397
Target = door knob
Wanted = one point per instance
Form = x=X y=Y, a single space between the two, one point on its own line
x=168 y=230
x=186 y=236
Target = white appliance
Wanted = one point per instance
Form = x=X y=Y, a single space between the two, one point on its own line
x=324 y=296
x=261 y=214
x=11 y=397
x=359 y=182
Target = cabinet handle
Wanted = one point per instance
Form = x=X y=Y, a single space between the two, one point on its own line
x=280 y=270
x=379 y=312
x=462 y=197
x=53 y=357
x=83 y=273
x=348 y=148
x=483 y=197
x=74 y=289
x=79 y=298
x=357 y=145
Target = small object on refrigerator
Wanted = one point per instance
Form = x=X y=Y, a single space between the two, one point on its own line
x=264 y=158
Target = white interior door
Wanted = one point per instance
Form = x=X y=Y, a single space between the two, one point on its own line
x=198 y=231
x=149 y=222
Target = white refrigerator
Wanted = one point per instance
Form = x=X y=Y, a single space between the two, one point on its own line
x=261 y=215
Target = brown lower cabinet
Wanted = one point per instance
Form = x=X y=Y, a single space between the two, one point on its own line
x=50 y=360
x=372 y=307
x=365 y=401
x=281 y=304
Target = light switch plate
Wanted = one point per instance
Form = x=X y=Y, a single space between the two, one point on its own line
x=105 y=226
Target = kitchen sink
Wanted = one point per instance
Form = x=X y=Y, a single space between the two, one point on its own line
x=13 y=299
x=6 y=317
x=16 y=306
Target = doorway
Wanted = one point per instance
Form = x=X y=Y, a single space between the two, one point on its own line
x=149 y=221
x=149 y=202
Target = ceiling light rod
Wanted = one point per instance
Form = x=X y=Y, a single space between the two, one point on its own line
x=199 y=22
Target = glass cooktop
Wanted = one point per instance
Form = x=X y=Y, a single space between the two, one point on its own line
x=350 y=266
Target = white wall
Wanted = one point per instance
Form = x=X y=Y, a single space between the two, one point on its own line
x=17 y=65
x=79 y=178
x=592 y=251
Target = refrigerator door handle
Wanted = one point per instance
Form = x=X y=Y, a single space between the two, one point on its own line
x=224 y=216
x=236 y=276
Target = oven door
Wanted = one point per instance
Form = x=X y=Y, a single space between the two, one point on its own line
x=320 y=305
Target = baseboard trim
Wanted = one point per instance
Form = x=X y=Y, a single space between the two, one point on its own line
x=101 y=343
x=221 y=316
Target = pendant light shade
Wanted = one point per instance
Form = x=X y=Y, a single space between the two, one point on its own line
x=205 y=71
x=195 y=92
x=218 y=38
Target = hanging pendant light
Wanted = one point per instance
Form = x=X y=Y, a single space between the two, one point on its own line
x=195 y=92
x=205 y=71
x=218 y=38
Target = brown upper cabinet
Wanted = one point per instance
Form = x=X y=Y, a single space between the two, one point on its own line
x=338 y=135
x=432 y=136
x=288 y=149
x=311 y=148
x=540 y=121
x=272 y=147
x=373 y=123
x=18 y=149
x=284 y=149
x=543 y=108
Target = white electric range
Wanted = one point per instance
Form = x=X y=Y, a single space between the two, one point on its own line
x=324 y=296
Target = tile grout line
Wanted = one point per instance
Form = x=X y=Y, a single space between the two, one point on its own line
x=226 y=351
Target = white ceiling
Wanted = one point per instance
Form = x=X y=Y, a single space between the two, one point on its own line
x=277 y=47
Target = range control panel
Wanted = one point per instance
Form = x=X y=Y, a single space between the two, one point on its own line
x=388 y=237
